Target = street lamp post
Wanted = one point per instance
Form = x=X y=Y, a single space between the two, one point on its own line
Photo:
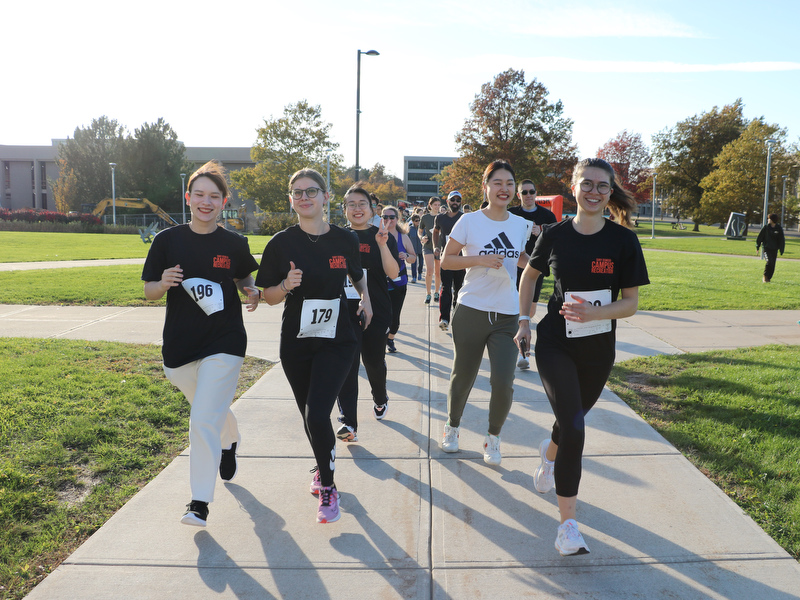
x=358 y=99
x=183 y=196
x=653 y=230
x=113 y=195
x=770 y=143
x=783 y=199
x=328 y=186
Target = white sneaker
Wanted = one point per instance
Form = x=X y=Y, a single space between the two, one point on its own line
x=491 y=450
x=450 y=439
x=569 y=540
x=543 y=479
x=523 y=363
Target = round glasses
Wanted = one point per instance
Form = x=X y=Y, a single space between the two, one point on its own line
x=602 y=187
x=310 y=192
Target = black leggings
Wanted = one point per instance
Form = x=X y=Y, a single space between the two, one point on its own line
x=573 y=382
x=398 y=296
x=373 y=354
x=451 y=284
x=316 y=370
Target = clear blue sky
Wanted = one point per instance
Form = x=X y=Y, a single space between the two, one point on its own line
x=215 y=70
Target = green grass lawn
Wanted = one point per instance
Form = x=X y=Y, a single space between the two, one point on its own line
x=736 y=415
x=32 y=246
x=83 y=426
x=679 y=282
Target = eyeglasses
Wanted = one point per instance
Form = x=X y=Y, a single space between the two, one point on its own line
x=526 y=192
x=310 y=192
x=602 y=187
x=389 y=217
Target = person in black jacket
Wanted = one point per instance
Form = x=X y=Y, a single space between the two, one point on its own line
x=772 y=238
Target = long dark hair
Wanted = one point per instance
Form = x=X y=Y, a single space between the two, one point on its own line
x=621 y=204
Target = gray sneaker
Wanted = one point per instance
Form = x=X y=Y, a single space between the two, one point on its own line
x=543 y=478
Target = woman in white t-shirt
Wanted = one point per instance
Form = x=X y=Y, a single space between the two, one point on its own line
x=489 y=244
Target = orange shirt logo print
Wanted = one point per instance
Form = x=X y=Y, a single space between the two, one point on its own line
x=222 y=262
x=338 y=262
x=603 y=265
x=363 y=248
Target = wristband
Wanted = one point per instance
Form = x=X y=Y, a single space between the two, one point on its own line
x=283 y=287
x=524 y=318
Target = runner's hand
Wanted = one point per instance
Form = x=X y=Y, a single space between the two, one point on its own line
x=253 y=297
x=293 y=278
x=171 y=277
x=383 y=233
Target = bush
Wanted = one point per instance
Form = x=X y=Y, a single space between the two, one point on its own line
x=272 y=223
x=48 y=220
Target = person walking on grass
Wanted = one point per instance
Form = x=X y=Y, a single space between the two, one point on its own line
x=202 y=268
x=773 y=240
x=378 y=260
x=306 y=265
x=598 y=267
x=398 y=285
x=489 y=244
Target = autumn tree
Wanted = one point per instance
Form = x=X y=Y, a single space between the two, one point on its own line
x=512 y=120
x=630 y=157
x=286 y=144
x=737 y=182
x=84 y=162
x=377 y=180
x=684 y=155
x=152 y=163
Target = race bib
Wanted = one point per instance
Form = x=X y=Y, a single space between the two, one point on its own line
x=318 y=318
x=349 y=289
x=598 y=298
x=207 y=294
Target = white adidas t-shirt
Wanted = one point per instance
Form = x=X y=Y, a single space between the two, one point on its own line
x=491 y=290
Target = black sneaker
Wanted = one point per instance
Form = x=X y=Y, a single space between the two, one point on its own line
x=196 y=514
x=380 y=410
x=227 y=464
x=390 y=346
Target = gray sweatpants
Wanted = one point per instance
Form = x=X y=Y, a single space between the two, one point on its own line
x=473 y=331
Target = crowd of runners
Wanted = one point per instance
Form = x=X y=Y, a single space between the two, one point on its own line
x=343 y=290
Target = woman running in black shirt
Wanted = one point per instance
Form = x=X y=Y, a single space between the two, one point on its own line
x=306 y=265
x=598 y=267
x=378 y=260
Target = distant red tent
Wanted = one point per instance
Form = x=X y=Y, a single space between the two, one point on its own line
x=552 y=203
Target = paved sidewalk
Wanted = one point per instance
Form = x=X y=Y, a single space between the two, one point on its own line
x=418 y=523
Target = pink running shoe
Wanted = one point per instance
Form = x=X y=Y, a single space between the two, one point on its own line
x=328 y=505
x=316 y=484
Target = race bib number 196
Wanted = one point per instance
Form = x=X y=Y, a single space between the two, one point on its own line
x=318 y=318
x=207 y=294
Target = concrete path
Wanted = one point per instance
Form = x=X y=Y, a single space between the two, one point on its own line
x=418 y=523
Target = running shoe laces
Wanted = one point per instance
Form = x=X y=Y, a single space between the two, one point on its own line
x=328 y=505
x=569 y=540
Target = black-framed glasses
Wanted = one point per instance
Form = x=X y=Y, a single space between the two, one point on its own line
x=389 y=217
x=526 y=192
x=310 y=192
x=602 y=187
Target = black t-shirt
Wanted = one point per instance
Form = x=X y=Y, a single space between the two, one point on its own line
x=376 y=276
x=325 y=263
x=540 y=216
x=609 y=259
x=444 y=223
x=219 y=257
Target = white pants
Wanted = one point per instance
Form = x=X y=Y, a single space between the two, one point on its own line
x=209 y=385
